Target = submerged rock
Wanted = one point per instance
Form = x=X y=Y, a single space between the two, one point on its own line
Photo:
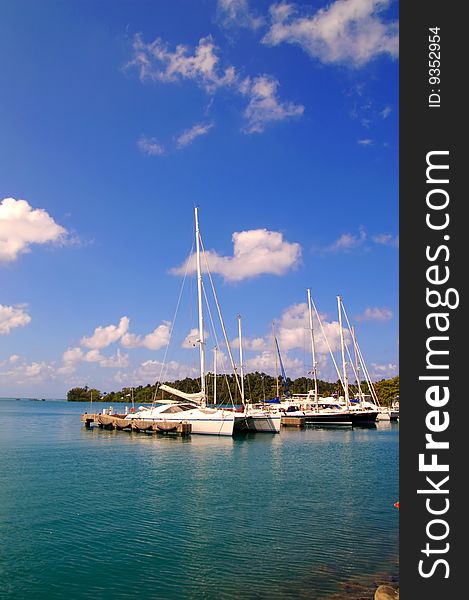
x=386 y=592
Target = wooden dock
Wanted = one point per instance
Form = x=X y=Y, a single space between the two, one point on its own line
x=293 y=421
x=118 y=421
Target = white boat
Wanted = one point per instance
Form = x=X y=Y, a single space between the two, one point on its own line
x=394 y=410
x=205 y=420
x=254 y=417
x=193 y=408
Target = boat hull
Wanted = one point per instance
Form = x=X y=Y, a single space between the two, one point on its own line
x=205 y=423
x=259 y=423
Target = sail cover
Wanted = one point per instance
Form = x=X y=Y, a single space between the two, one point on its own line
x=197 y=398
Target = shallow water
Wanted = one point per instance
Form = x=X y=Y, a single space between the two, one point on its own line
x=107 y=514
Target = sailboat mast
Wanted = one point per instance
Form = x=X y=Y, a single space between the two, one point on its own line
x=357 y=366
x=313 y=349
x=199 y=298
x=342 y=346
x=215 y=375
x=276 y=358
x=241 y=371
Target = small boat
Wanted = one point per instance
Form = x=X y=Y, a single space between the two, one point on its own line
x=394 y=411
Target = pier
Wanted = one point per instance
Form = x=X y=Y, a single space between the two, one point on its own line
x=293 y=421
x=118 y=421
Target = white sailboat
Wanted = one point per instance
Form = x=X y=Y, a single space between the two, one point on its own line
x=254 y=417
x=193 y=408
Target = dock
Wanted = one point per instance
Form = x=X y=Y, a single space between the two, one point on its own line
x=118 y=421
x=293 y=421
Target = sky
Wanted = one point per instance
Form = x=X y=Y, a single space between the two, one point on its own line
x=278 y=120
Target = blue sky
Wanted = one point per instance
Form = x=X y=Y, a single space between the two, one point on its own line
x=279 y=120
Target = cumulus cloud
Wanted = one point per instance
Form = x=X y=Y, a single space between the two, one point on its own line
x=72 y=357
x=21 y=225
x=265 y=362
x=264 y=105
x=238 y=13
x=349 y=32
x=191 y=339
x=35 y=372
x=376 y=314
x=150 y=146
x=154 y=340
x=151 y=370
x=255 y=252
x=12 y=317
x=104 y=336
x=255 y=344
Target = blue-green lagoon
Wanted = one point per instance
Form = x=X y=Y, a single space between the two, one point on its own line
x=97 y=514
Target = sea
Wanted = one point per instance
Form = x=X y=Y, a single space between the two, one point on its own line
x=98 y=514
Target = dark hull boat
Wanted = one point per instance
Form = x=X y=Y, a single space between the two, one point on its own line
x=364 y=417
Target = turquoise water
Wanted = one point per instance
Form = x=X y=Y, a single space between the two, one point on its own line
x=107 y=514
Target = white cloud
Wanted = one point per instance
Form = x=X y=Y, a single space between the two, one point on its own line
x=104 y=336
x=365 y=142
x=191 y=339
x=13 y=358
x=151 y=370
x=11 y=317
x=156 y=62
x=21 y=226
x=158 y=338
x=150 y=146
x=36 y=372
x=264 y=105
x=188 y=136
x=384 y=114
x=376 y=314
x=386 y=239
x=255 y=344
x=265 y=362
x=347 y=32
x=118 y=361
x=348 y=241
x=378 y=371
x=74 y=356
x=238 y=13
x=292 y=330
x=255 y=252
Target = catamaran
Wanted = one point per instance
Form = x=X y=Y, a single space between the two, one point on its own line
x=193 y=408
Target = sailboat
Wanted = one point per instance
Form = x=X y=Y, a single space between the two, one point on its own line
x=254 y=417
x=364 y=412
x=321 y=411
x=192 y=408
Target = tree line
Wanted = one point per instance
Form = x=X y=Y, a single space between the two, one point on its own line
x=258 y=387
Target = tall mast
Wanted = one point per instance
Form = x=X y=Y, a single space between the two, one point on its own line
x=215 y=375
x=199 y=298
x=342 y=346
x=241 y=371
x=313 y=349
x=276 y=359
x=357 y=366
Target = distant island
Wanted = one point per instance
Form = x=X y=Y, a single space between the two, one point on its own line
x=258 y=387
